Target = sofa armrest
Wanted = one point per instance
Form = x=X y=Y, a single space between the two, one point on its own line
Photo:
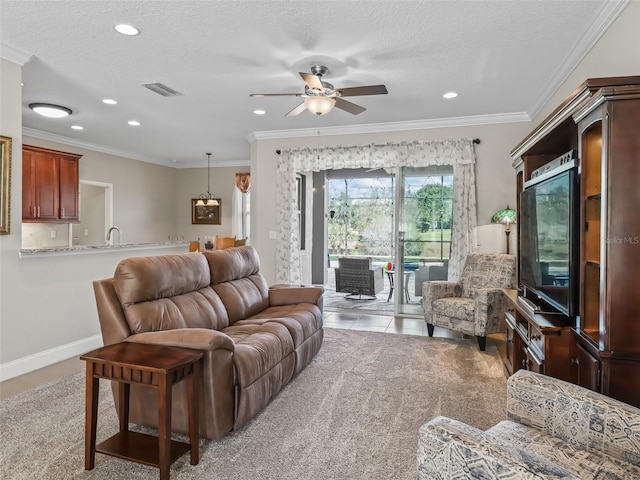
x=194 y=338
x=491 y=305
x=451 y=449
x=586 y=419
x=294 y=295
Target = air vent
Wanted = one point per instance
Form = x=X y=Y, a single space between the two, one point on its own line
x=161 y=89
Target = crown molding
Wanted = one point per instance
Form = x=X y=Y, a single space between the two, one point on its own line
x=392 y=126
x=52 y=137
x=603 y=21
x=14 y=55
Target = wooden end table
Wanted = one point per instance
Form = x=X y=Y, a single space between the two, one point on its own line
x=153 y=366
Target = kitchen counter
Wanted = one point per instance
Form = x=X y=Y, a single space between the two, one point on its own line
x=94 y=249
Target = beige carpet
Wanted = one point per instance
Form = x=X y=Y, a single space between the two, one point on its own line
x=353 y=413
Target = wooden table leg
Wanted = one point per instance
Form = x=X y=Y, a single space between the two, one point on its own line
x=91 y=418
x=124 y=390
x=194 y=413
x=164 y=426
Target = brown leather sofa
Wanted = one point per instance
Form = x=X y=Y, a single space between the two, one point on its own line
x=255 y=339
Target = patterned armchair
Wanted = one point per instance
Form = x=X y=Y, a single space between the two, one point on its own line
x=553 y=430
x=475 y=305
x=356 y=277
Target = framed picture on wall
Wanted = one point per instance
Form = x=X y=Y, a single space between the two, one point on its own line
x=205 y=215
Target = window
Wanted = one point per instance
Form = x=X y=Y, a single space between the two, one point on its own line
x=361 y=216
x=428 y=216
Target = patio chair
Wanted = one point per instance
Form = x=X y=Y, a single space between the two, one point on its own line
x=356 y=277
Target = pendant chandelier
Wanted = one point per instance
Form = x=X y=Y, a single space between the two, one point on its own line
x=207 y=199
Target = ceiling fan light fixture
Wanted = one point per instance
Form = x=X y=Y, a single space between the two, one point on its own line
x=319 y=105
x=49 y=110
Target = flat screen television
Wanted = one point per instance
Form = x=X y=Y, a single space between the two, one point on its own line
x=549 y=241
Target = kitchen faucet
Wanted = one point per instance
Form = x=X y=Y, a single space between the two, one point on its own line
x=111 y=230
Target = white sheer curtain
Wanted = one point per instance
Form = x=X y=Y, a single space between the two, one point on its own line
x=458 y=153
x=236 y=214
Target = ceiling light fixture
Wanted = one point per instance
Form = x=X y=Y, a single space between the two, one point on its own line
x=109 y=101
x=77 y=127
x=134 y=123
x=450 y=95
x=259 y=112
x=319 y=105
x=50 y=110
x=207 y=199
x=128 y=30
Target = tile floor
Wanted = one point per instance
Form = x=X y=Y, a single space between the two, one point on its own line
x=343 y=319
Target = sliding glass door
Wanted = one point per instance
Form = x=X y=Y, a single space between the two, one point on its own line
x=423 y=213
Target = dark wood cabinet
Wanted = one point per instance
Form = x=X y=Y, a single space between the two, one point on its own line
x=540 y=342
x=49 y=185
x=600 y=121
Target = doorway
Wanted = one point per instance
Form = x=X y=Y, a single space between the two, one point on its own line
x=96 y=213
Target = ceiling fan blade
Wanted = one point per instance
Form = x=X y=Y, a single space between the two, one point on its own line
x=296 y=111
x=367 y=90
x=348 y=106
x=312 y=81
x=275 y=94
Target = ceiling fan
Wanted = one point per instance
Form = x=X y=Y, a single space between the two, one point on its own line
x=320 y=97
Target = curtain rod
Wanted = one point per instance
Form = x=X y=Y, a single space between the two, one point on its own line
x=475 y=141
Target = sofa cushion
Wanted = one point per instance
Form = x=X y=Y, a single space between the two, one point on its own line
x=258 y=348
x=167 y=292
x=302 y=320
x=580 y=462
x=236 y=279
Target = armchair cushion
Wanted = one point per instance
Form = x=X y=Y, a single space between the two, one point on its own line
x=554 y=430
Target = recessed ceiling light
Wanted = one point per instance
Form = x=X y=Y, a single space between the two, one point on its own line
x=259 y=112
x=109 y=101
x=50 y=110
x=134 y=123
x=125 y=29
x=77 y=127
x=450 y=95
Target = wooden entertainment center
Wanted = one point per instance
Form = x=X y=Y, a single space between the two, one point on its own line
x=598 y=345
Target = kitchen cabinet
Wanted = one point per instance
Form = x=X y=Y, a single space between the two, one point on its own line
x=50 y=182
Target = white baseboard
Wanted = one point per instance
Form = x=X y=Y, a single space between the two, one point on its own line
x=48 y=357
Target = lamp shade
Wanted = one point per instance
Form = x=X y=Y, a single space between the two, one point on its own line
x=506 y=215
x=319 y=105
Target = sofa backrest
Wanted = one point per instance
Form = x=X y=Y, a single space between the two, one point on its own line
x=167 y=292
x=235 y=277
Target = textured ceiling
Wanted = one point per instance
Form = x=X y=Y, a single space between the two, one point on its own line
x=504 y=58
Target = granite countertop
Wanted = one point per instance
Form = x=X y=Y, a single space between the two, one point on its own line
x=86 y=249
